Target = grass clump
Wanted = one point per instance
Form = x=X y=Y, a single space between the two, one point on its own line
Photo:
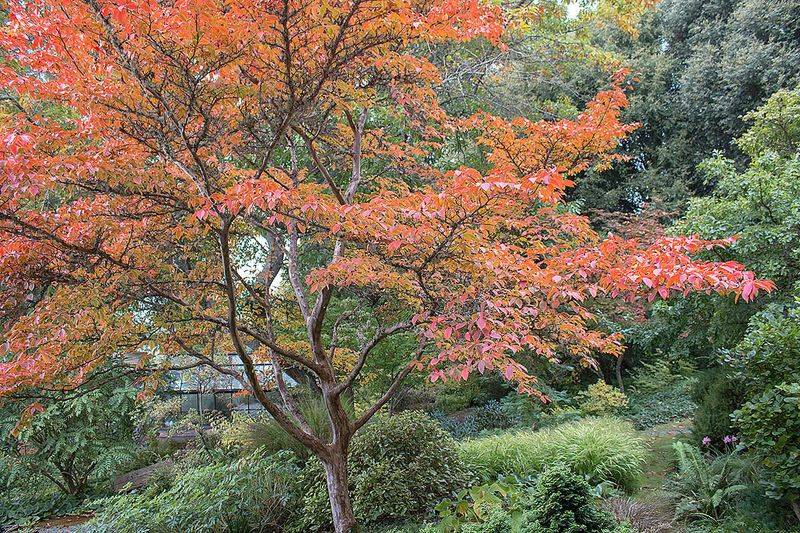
x=601 y=449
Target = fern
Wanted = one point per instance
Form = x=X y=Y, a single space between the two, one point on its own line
x=706 y=487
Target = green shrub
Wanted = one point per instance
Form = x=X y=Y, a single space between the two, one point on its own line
x=493 y=415
x=770 y=426
x=252 y=494
x=485 y=507
x=770 y=353
x=659 y=375
x=498 y=521
x=558 y=500
x=717 y=396
x=454 y=396
x=562 y=503
x=753 y=513
x=79 y=443
x=400 y=466
x=521 y=408
x=603 y=449
x=25 y=498
x=602 y=399
x=558 y=416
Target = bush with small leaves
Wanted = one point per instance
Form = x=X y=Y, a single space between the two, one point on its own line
x=491 y=416
x=563 y=503
x=602 y=399
x=718 y=395
x=660 y=407
x=660 y=374
x=400 y=466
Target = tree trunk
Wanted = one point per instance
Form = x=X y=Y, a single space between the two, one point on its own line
x=796 y=507
x=618 y=372
x=339 y=494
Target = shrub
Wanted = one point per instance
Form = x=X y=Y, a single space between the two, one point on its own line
x=521 y=408
x=657 y=376
x=454 y=396
x=560 y=415
x=25 y=498
x=558 y=500
x=603 y=449
x=602 y=399
x=78 y=443
x=458 y=428
x=770 y=426
x=668 y=405
x=400 y=466
x=705 y=487
x=486 y=507
x=250 y=494
x=498 y=521
x=562 y=503
x=717 y=396
x=753 y=513
x=488 y=417
x=770 y=352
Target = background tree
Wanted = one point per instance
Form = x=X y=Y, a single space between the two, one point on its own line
x=759 y=205
x=75 y=440
x=701 y=66
x=214 y=164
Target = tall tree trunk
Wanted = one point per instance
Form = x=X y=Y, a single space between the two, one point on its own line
x=618 y=372
x=338 y=493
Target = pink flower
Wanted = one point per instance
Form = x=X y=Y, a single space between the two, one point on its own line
x=727 y=439
x=706 y=440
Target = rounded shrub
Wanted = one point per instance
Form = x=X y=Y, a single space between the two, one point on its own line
x=399 y=466
x=562 y=503
x=602 y=399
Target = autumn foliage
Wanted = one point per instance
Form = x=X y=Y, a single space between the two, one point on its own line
x=168 y=166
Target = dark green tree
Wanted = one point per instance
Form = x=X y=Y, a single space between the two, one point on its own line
x=701 y=66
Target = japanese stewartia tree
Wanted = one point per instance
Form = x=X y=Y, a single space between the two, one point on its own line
x=186 y=179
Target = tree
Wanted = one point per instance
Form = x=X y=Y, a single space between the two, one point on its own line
x=701 y=65
x=759 y=205
x=74 y=442
x=214 y=163
x=551 y=65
